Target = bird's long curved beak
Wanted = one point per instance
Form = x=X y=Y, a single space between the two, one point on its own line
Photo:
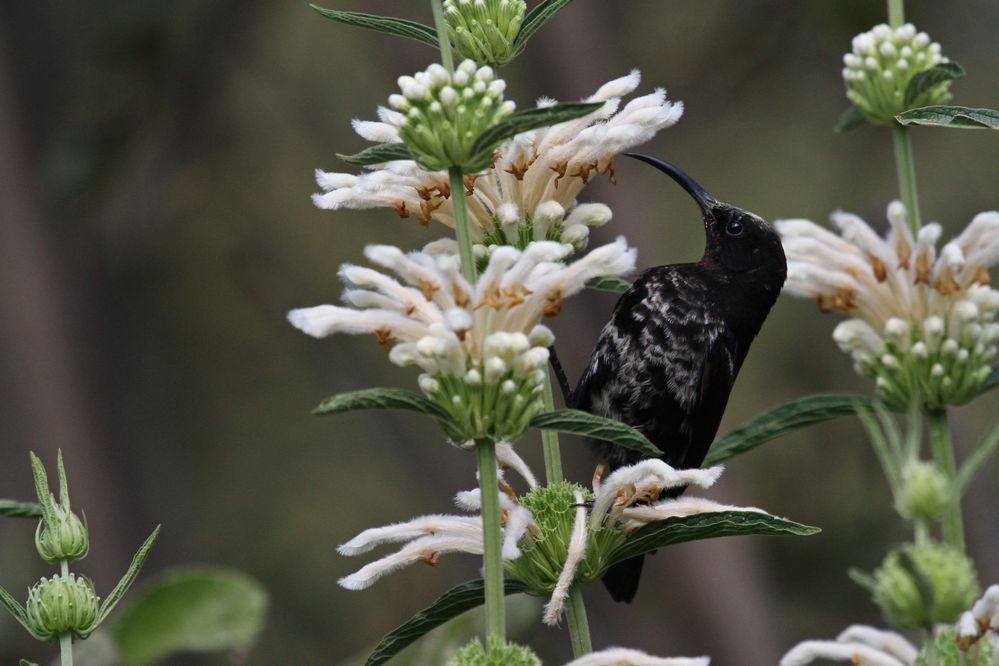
x=703 y=199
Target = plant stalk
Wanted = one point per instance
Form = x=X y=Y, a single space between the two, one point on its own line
x=549 y=438
x=896 y=13
x=461 y=224
x=579 y=626
x=66 y=639
x=492 y=540
x=943 y=454
x=442 y=37
x=906 y=169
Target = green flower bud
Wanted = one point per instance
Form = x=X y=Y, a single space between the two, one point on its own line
x=61 y=605
x=445 y=113
x=921 y=585
x=484 y=30
x=924 y=492
x=65 y=538
x=498 y=653
x=883 y=61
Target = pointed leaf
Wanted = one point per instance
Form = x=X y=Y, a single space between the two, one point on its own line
x=15 y=608
x=200 y=609
x=537 y=17
x=596 y=427
x=705 y=526
x=790 y=416
x=851 y=119
x=453 y=603
x=63 y=484
x=961 y=117
x=923 y=81
x=378 y=154
x=609 y=283
x=42 y=488
x=14 y=509
x=380 y=398
x=523 y=121
x=862 y=578
x=387 y=24
x=126 y=581
x=25 y=662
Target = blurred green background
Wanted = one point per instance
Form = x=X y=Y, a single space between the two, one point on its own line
x=156 y=164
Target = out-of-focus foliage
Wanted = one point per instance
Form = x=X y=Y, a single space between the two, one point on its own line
x=157 y=162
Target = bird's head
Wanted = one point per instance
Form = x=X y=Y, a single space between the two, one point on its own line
x=737 y=241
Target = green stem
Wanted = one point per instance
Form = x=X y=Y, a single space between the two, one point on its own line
x=896 y=13
x=66 y=639
x=461 y=224
x=943 y=454
x=492 y=540
x=442 y=37
x=579 y=626
x=974 y=462
x=906 y=168
x=549 y=438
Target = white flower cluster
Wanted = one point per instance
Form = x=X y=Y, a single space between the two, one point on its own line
x=882 y=64
x=924 y=322
x=484 y=30
x=982 y=619
x=860 y=645
x=445 y=113
x=618 y=656
x=529 y=192
x=483 y=349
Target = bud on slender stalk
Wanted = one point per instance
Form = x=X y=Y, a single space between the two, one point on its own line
x=61 y=605
x=61 y=535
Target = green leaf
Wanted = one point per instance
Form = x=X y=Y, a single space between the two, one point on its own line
x=453 y=603
x=25 y=662
x=790 y=416
x=126 y=581
x=597 y=427
x=203 y=609
x=393 y=26
x=923 y=81
x=991 y=381
x=705 y=526
x=862 y=578
x=609 y=283
x=537 y=17
x=15 y=608
x=960 y=117
x=523 y=121
x=380 y=398
x=851 y=119
x=377 y=154
x=14 y=509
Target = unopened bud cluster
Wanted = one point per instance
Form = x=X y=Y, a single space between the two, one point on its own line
x=941 y=360
x=549 y=221
x=445 y=114
x=948 y=572
x=62 y=537
x=61 y=605
x=493 y=394
x=924 y=491
x=496 y=652
x=484 y=30
x=883 y=61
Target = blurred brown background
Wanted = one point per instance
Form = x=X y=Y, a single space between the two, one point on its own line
x=155 y=225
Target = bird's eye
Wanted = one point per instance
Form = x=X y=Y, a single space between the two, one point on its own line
x=733 y=228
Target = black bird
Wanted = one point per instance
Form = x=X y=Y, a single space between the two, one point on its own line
x=666 y=361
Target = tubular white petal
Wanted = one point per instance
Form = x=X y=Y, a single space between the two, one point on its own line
x=618 y=87
x=324 y=320
x=377 y=132
x=423 y=549
x=441 y=525
x=617 y=656
x=517 y=522
x=857 y=653
x=506 y=455
x=575 y=554
x=680 y=507
x=888 y=641
x=645 y=472
x=328 y=180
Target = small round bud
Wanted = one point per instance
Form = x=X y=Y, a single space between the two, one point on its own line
x=60 y=605
x=924 y=492
x=66 y=538
x=498 y=652
x=948 y=572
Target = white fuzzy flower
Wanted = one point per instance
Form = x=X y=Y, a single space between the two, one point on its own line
x=617 y=656
x=923 y=321
x=532 y=171
x=980 y=620
x=859 y=644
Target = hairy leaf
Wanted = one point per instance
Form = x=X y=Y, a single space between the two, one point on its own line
x=851 y=119
x=961 y=117
x=387 y=24
x=790 y=416
x=609 y=283
x=14 y=509
x=378 y=154
x=597 y=427
x=529 y=119
x=126 y=581
x=380 y=398
x=537 y=17
x=203 y=609
x=923 y=81
x=453 y=603
x=706 y=526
